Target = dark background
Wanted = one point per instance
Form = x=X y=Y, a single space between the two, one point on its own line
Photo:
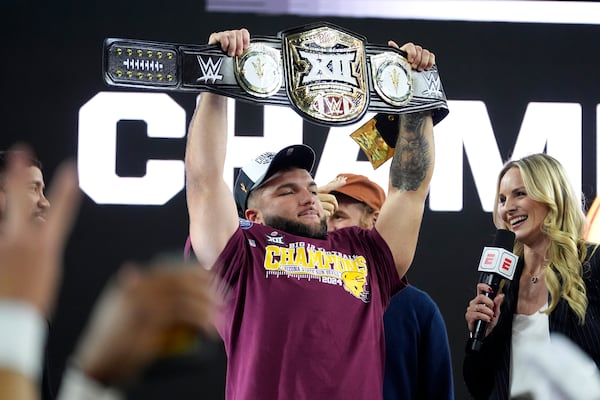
x=52 y=66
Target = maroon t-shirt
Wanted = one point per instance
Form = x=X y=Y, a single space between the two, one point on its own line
x=302 y=320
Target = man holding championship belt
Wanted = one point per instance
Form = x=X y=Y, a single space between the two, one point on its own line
x=304 y=313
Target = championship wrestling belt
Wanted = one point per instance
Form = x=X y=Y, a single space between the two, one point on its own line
x=327 y=74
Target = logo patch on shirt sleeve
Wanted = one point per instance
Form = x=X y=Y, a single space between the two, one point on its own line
x=245 y=224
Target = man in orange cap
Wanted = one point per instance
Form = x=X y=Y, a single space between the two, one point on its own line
x=358 y=202
x=418 y=361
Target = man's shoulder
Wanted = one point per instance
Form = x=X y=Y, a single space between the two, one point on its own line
x=415 y=296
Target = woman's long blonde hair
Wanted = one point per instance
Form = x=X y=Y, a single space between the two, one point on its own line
x=546 y=182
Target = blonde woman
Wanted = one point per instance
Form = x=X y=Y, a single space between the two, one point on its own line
x=556 y=286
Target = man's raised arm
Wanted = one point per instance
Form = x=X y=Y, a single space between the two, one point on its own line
x=411 y=170
x=211 y=207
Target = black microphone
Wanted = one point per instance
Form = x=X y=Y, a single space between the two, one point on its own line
x=497 y=263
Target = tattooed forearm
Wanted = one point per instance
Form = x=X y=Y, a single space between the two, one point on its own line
x=412 y=157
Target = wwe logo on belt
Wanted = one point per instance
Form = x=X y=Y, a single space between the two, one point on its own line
x=434 y=84
x=326 y=74
x=332 y=105
x=210 y=69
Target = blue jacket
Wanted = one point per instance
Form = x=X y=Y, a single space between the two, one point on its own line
x=418 y=361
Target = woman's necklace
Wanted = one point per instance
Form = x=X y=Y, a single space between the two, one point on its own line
x=536 y=277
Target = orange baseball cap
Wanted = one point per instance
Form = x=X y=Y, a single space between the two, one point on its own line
x=362 y=189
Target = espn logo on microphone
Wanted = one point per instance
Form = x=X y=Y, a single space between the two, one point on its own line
x=499 y=261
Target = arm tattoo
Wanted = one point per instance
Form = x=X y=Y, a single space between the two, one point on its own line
x=411 y=157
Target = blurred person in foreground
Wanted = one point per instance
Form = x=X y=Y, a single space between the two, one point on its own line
x=145 y=313
x=37 y=205
x=30 y=265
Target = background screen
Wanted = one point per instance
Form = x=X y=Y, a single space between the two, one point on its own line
x=517 y=86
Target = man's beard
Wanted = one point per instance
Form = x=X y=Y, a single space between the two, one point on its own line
x=296 y=228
